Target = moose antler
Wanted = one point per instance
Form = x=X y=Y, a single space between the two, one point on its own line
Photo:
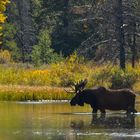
x=77 y=87
x=72 y=90
x=69 y=91
x=80 y=86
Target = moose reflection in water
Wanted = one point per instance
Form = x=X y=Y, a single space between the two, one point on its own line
x=111 y=122
x=126 y=121
x=102 y=98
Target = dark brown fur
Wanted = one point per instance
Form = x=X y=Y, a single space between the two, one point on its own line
x=102 y=98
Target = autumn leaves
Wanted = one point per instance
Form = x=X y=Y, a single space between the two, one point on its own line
x=3 y=4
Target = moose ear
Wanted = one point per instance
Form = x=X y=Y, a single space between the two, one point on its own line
x=85 y=81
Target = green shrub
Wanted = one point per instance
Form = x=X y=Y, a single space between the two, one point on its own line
x=42 y=52
x=114 y=77
x=101 y=76
x=124 y=79
x=69 y=71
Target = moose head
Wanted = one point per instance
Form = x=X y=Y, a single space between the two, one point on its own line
x=78 y=88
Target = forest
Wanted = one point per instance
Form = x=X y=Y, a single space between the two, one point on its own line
x=56 y=43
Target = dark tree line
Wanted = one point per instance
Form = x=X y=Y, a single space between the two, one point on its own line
x=98 y=30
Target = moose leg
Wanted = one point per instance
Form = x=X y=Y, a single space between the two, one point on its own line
x=94 y=110
x=133 y=106
x=131 y=109
x=103 y=112
x=134 y=110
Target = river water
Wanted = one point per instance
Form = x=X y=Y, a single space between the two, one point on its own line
x=60 y=121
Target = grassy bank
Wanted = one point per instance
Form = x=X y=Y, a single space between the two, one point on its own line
x=35 y=93
x=29 y=83
x=25 y=93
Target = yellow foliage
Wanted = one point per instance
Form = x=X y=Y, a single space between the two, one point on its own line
x=2 y=18
x=70 y=71
x=3 y=4
x=5 y=56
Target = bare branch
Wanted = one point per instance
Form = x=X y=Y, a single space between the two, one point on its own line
x=85 y=19
x=93 y=45
x=137 y=18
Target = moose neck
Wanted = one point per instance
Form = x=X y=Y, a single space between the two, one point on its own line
x=89 y=97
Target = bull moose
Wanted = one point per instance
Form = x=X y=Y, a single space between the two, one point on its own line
x=102 y=98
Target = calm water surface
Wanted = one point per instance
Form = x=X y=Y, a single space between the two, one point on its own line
x=60 y=121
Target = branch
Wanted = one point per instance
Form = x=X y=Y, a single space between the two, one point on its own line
x=137 y=34
x=82 y=50
x=102 y=42
x=132 y=15
x=85 y=19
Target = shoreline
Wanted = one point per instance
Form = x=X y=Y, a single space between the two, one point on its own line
x=32 y=93
x=37 y=93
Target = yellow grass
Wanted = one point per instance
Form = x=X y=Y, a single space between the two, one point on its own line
x=22 y=93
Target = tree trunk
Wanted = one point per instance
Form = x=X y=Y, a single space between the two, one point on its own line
x=134 y=46
x=66 y=13
x=120 y=33
x=27 y=34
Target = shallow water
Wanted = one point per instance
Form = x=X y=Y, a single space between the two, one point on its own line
x=60 y=121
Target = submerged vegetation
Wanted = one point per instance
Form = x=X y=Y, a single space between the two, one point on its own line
x=30 y=83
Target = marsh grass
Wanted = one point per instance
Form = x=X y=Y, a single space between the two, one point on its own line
x=32 y=93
